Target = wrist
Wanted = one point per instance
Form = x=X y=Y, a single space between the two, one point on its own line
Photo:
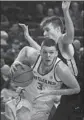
x=65 y=11
x=26 y=31
x=26 y=34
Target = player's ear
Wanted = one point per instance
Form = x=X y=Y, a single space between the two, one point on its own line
x=58 y=29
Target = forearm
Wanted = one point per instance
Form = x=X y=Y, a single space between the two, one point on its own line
x=64 y=91
x=59 y=93
x=69 y=27
x=31 y=41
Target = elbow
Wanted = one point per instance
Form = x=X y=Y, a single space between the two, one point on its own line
x=78 y=90
x=70 y=38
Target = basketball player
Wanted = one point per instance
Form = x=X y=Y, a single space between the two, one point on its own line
x=50 y=73
x=52 y=27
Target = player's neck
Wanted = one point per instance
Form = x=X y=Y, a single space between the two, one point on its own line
x=46 y=68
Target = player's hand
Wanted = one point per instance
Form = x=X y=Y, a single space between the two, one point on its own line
x=65 y=5
x=14 y=67
x=25 y=29
x=23 y=26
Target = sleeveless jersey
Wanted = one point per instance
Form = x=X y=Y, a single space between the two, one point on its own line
x=71 y=63
x=42 y=82
x=39 y=108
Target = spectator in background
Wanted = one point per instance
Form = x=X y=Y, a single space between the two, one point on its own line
x=4 y=22
x=82 y=51
x=12 y=52
x=2 y=61
x=2 y=52
x=82 y=13
x=75 y=13
x=12 y=12
x=15 y=32
x=4 y=76
x=39 y=12
x=80 y=22
x=78 y=49
x=50 y=12
x=4 y=38
x=77 y=46
x=57 y=11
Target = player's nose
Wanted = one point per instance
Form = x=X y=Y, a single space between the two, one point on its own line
x=48 y=54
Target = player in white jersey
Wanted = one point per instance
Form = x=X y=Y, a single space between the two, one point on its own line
x=50 y=73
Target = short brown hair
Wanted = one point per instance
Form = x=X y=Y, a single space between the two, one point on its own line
x=48 y=42
x=56 y=21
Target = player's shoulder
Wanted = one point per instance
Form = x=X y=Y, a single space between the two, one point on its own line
x=60 y=66
x=60 y=69
x=65 y=49
x=31 y=50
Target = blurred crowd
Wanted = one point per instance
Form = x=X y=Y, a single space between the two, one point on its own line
x=32 y=13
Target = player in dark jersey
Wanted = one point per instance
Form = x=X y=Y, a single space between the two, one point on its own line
x=52 y=28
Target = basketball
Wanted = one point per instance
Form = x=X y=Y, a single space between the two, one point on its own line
x=23 y=76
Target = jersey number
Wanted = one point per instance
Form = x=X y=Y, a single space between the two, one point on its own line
x=40 y=86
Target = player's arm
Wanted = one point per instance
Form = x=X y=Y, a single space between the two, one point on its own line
x=29 y=38
x=28 y=54
x=64 y=74
x=69 y=35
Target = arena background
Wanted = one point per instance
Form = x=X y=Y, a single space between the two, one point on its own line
x=31 y=13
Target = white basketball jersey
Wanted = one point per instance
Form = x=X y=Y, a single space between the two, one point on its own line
x=39 y=108
x=43 y=82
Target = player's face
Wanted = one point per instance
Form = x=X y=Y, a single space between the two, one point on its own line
x=48 y=54
x=51 y=31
